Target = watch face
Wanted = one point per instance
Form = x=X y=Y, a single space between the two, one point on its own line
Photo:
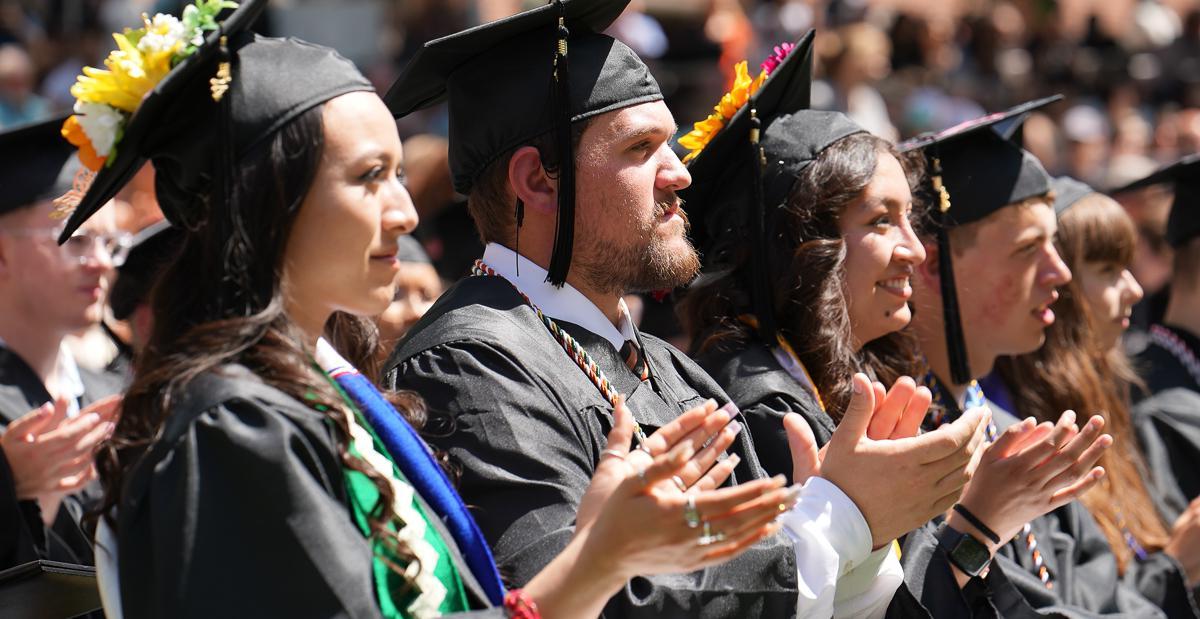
x=969 y=555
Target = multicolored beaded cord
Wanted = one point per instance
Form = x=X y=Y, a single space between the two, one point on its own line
x=975 y=398
x=1178 y=348
x=572 y=348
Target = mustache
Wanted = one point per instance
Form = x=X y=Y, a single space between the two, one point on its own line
x=673 y=202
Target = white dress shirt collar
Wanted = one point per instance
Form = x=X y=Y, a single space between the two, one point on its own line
x=564 y=303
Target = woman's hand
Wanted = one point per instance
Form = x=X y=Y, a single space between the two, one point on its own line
x=633 y=491
x=696 y=438
x=897 y=483
x=1184 y=544
x=1032 y=469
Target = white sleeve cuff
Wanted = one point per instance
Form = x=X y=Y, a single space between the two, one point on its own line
x=830 y=537
x=825 y=510
x=867 y=590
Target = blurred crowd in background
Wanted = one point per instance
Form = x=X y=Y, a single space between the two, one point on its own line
x=1130 y=71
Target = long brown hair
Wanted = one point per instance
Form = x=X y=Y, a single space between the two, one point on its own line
x=809 y=276
x=220 y=302
x=1073 y=371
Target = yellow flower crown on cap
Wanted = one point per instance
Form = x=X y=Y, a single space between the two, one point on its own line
x=105 y=99
x=743 y=88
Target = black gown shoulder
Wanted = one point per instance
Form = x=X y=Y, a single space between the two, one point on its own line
x=765 y=393
x=240 y=507
x=527 y=427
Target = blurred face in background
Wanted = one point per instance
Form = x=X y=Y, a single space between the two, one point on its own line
x=417 y=287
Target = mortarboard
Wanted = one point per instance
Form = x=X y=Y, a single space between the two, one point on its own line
x=1183 y=224
x=1068 y=191
x=48 y=589
x=33 y=159
x=747 y=168
x=975 y=169
x=209 y=110
x=516 y=79
x=150 y=251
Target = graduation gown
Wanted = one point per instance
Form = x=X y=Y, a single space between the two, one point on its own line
x=765 y=393
x=1160 y=368
x=1082 y=568
x=528 y=428
x=240 y=508
x=1168 y=427
x=23 y=535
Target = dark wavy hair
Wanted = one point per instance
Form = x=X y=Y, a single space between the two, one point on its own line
x=1073 y=371
x=808 y=276
x=220 y=302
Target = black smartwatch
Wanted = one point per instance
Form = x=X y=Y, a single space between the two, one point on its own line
x=964 y=551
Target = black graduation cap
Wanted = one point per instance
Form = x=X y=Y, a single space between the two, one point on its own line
x=749 y=167
x=975 y=169
x=151 y=249
x=193 y=139
x=32 y=162
x=1183 y=224
x=512 y=80
x=41 y=589
x=1068 y=191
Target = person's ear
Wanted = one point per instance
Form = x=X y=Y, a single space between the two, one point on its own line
x=927 y=272
x=529 y=181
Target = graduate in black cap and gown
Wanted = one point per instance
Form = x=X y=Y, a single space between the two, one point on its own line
x=1169 y=358
x=794 y=208
x=254 y=470
x=46 y=292
x=992 y=273
x=1083 y=366
x=1167 y=413
x=572 y=182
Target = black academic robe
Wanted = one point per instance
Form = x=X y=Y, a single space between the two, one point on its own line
x=1081 y=557
x=23 y=536
x=1160 y=368
x=1168 y=428
x=240 y=508
x=528 y=428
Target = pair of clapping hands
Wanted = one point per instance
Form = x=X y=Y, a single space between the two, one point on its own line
x=51 y=454
x=898 y=479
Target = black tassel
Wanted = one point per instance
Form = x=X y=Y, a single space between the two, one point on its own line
x=225 y=215
x=564 y=233
x=956 y=347
x=517 y=242
x=760 y=275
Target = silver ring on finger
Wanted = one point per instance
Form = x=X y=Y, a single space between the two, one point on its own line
x=709 y=537
x=679 y=483
x=691 y=515
x=612 y=453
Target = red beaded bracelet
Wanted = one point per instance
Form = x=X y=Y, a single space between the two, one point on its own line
x=520 y=606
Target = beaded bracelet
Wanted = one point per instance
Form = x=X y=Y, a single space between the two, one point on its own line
x=520 y=606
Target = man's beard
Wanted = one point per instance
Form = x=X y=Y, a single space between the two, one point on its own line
x=643 y=262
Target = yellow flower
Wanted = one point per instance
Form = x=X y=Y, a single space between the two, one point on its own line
x=130 y=75
x=703 y=131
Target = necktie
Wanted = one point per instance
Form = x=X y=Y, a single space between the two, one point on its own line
x=635 y=360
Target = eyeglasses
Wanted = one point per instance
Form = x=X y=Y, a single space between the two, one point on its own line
x=81 y=246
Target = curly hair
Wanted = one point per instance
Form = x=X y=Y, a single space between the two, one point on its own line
x=807 y=267
x=206 y=317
